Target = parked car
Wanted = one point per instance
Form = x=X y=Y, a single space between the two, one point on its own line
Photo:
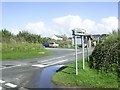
x=54 y=45
x=45 y=44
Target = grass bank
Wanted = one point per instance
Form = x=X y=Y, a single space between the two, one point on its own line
x=88 y=78
x=23 y=51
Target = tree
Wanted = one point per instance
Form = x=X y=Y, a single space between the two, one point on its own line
x=6 y=35
x=64 y=37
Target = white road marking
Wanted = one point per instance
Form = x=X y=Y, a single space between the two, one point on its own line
x=11 y=85
x=52 y=59
x=61 y=65
x=40 y=65
x=1 y=81
x=0 y=88
x=51 y=63
x=57 y=57
x=57 y=62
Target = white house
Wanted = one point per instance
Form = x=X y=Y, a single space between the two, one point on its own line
x=57 y=37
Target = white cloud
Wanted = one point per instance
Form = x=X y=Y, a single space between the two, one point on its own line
x=65 y=24
x=14 y=31
x=36 y=28
x=88 y=25
x=39 y=28
x=107 y=25
x=111 y=22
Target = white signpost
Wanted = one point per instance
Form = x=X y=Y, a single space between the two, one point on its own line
x=79 y=33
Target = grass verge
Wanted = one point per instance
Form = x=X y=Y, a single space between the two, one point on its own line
x=88 y=78
x=23 y=51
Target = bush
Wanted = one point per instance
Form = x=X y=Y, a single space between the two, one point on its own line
x=105 y=55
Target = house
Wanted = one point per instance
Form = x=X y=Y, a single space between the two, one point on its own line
x=57 y=37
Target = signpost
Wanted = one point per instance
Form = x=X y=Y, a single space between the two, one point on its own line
x=78 y=33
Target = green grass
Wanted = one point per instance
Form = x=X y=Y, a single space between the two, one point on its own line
x=23 y=51
x=86 y=78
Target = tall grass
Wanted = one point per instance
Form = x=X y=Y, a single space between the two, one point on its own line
x=22 y=50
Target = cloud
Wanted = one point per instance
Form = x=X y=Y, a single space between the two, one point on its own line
x=65 y=24
x=39 y=28
x=112 y=22
x=106 y=25
x=88 y=25
x=36 y=28
x=14 y=31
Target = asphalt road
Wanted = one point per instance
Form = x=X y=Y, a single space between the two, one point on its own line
x=19 y=73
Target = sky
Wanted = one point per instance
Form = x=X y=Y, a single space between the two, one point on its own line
x=49 y=18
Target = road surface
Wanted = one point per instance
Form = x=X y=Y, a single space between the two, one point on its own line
x=18 y=73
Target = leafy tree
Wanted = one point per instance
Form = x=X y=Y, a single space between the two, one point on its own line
x=64 y=37
x=31 y=38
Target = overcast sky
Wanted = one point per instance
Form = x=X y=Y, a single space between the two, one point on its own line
x=49 y=18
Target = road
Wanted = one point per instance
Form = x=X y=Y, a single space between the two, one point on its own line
x=18 y=73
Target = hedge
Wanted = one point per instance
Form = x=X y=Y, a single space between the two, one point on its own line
x=105 y=56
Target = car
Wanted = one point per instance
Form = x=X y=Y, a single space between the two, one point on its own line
x=45 y=44
x=53 y=45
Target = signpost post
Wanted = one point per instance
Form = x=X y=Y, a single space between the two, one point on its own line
x=76 y=55
x=83 y=59
x=87 y=39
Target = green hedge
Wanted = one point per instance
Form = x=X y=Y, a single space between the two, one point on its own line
x=105 y=55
